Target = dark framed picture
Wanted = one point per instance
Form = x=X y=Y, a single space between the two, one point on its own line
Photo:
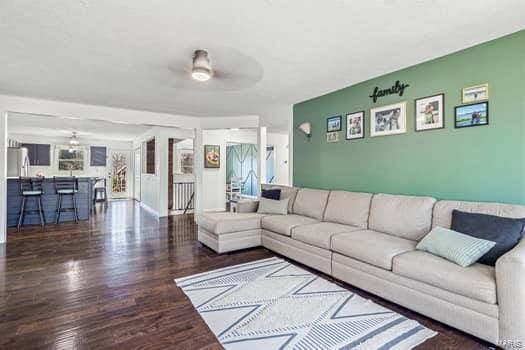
x=388 y=120
x=430 y=112
x=333 y=124
x=212 y=156
x=475 y=114
x=355 y=125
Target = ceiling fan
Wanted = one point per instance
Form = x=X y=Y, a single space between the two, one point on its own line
x=216 y=68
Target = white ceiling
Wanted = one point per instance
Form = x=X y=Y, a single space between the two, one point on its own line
x=52 y=126
x=129 y=54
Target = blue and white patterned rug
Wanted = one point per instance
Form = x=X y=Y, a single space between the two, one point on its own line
x=272 y=304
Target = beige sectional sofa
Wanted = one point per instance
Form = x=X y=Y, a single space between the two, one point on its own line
x=369 y=241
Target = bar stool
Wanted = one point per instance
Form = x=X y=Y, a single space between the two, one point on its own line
x=66 y=186
x=31 y=188
x=100 y=193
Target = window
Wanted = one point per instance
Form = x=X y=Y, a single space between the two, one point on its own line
x=149 y=159
x=70 y=159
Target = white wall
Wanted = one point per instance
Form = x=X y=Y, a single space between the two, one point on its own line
x=154 y=187
x=214 y=180
x=282 y=166
x=85 y=145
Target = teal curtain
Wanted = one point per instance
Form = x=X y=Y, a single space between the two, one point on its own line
x=241 y=162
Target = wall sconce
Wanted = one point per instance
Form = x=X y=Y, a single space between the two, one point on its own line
x=306 y=128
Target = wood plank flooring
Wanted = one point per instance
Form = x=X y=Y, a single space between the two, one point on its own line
x=108 y=283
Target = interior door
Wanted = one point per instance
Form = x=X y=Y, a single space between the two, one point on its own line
x=119 y=174
x=136 y=173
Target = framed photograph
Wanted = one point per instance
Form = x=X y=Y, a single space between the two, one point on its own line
x=355 y=125
x=475 y=93
x=333 y=124
x=70 y=159
x=475 y=114
x=212 y=156
x=388 y=120
x=430 y=112
x=332 y=136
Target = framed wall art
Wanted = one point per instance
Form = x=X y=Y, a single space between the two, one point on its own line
x=388 y=120
x=332 y=136
x=355 y=125
x=430 y=112
x=212 y=156
x=333 y=124
x=475 y=114
x=475 y=93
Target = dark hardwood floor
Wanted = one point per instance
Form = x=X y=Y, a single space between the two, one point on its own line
x=108 y=283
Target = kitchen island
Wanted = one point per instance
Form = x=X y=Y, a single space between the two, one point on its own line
x=49 y=202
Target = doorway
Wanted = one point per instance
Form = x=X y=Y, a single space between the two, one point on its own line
x=119 y=174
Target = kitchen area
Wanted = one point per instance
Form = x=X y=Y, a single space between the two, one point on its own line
x=60 y=169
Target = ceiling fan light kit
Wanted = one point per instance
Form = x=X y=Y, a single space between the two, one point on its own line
x=201 y=69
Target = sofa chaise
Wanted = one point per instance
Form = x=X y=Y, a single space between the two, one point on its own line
x=369 y=241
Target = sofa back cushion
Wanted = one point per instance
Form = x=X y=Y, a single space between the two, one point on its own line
x=443 y=210
x=286 y=192
x=348 y=208
x=408 y=217
x=311 y=203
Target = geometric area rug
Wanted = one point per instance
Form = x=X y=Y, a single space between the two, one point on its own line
x=272 y=304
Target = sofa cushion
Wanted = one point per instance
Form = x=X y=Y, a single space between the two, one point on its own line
x=476 y=281
x=273 y=206
x=504 y=232
x=348 y=208
x=372 y=247
x=283 y=224
x=286 y=192
x=274 y=193
x=320 y=234
x=226 y=222
x=311 y=203
x=443 y=211
x=408 y=217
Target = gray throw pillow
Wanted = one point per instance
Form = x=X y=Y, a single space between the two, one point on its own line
x=272 y=206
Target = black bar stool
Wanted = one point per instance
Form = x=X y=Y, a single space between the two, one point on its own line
x=66 y=186
x=100 y=193
x=31 y=188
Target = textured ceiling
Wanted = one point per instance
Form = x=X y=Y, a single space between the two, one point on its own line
x=130 y=54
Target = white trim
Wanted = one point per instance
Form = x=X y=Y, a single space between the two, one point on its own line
x=290 y=150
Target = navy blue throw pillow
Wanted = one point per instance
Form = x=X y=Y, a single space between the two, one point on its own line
x=506 y=232
x=274 y=193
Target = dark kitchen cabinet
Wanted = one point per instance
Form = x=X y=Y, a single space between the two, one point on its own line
x=39 y=154
x=98 y=156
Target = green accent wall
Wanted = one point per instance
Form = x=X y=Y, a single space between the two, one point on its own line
x=483 y=163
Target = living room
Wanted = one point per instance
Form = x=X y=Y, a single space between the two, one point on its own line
x=299 y=175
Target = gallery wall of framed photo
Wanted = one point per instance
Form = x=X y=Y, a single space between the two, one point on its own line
x=423 y=130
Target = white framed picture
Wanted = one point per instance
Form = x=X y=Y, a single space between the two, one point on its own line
x=332 y=136
x=388 y=120
x=475 y=93
x=355 y=125
x=430 y=112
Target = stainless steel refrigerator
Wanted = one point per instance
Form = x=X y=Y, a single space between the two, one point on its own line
x=17 y=162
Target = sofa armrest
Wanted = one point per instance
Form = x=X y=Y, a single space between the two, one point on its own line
x=510 y=280
x=247 y=206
